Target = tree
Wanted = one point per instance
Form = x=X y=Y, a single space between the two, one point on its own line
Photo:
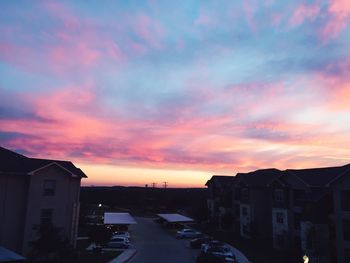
x=99 y=234
x=227 y=220
x=49 y=246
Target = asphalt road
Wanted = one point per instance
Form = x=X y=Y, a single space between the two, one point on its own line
x=156 y=244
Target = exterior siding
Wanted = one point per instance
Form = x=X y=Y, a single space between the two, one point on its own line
x=13 y=195
x=64 y=203
x=339 y=216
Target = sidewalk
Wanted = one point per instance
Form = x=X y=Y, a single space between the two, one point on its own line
x=124 y=257
x=240 y=257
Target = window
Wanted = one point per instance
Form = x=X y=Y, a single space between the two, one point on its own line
x=46 y=216
x=346 y=229
x=245 y=193
x=345 y=200
x=279 y=195
x=49 y=188
x=279 y=218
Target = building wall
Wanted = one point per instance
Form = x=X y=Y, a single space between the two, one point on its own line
x=261 y=206
x=65 y=204
x=280 y=229
x=339 y=216
x=245 y=220
x=13 y=193
x=315 y=242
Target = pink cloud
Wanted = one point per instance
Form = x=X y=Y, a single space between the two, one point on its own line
x=249 y=7
x=67 y=57
x=304 y=12
x=339 y=11
x=149 y=30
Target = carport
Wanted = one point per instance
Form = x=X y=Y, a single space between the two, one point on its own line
x=7 y=255
x=118 y=221
x=175 y=221
x=175 y=218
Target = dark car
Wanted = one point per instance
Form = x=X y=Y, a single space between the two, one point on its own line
x=218 y=249
x=197 y=242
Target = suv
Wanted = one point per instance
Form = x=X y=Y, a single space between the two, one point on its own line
x=118 y=242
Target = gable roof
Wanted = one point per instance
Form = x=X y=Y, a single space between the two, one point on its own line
x=222 y=180
x=318 y=177
x=259 y=178
x=14 y=163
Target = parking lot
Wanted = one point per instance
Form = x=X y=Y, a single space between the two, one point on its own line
x=156 y=244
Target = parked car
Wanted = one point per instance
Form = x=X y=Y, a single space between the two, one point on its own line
x=213 y=243
x=197 y=242
x=223 y=252
x=219 y=249
x=188 y=233
x=118 y=242
x=121 y=234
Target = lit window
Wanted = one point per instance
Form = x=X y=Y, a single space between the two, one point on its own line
x=49 y=188
x=46 y=216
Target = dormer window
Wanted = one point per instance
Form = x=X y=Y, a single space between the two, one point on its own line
x=279 y=195
x=49 y=188
x=245 y=193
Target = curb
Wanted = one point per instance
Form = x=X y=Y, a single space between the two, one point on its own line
x=131 y=256
x=124 y=257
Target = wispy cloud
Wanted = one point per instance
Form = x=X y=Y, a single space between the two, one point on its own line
x=240 y=86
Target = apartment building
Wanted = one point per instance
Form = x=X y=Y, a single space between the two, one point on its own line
x=306 y=210
x=252 y=197
x=220 y=197
x=34 y=192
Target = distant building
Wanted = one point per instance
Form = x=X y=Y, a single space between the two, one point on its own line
x=35 y=192
x=305 y=210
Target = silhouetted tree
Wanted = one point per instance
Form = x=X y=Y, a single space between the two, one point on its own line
x=48 y=245
x=226 y=221
x=99 y=234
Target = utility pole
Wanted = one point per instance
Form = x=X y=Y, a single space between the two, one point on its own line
x=165 y=184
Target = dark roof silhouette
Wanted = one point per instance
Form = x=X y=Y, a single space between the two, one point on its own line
x=259 y=178
x=15 y=163
x=223 y=180
x=318 y=177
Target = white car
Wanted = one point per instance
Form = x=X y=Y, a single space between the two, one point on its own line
x=118 y=242
x=121 y=234
x=188 y=233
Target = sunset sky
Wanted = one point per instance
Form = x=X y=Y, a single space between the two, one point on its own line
x=135 y=92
